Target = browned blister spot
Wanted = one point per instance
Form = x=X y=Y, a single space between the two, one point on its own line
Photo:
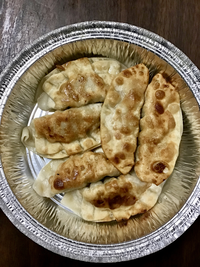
x=118 y=136
x=58 y=184
x=127 y=73
x=125 y=130
x=133 y=70
x=158 y=167
x=150 y=141
x=115 y=202
x=141 y=73
x=118 y=157
x=156 y=85
x=160 y=94
x=118 y=200
x=127 y=147
x=119 y=80
x=118 y=111
x=159 y=108
x=82 y=167
x=99 y=203
x=130 y=200
x=164 y=86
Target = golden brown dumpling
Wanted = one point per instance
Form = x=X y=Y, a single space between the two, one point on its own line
x=113 y=199
x=161 y=131
x=64 y=133
x=77 y=83
x=76 y=172
x=120 y=116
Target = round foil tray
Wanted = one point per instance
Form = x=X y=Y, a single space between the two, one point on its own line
x=45 y=221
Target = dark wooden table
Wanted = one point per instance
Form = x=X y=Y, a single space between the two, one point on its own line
x=23 y=21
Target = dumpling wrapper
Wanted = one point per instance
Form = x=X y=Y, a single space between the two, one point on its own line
x=120 y=116
x=77 y=83
x=161 y=131
x=64 y=133
x=76 y=172
x=114 y=199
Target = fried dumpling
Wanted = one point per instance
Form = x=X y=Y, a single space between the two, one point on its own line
x=77 y=83
x=76 y=172
x=121 y=114
x=161 y=131
x=113 y=199
x=64 y=133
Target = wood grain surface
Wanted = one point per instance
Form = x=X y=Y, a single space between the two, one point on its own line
x=23 y=21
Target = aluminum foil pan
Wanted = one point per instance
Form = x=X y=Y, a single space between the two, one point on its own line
x=46 y=221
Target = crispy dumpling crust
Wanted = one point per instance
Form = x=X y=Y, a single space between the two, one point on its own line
x=114 y=199
x=75 y=172
x=120 y=116
x=77 y=83
x=64 y=133
x=161 y=130
x=67 y=126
